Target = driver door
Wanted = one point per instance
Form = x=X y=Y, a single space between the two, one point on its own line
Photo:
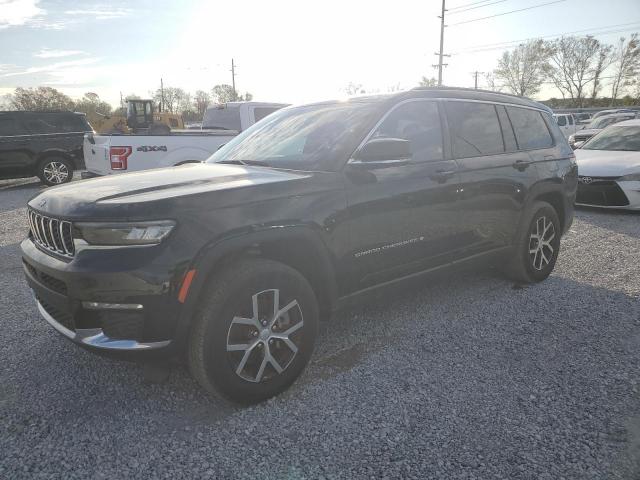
x=401 y=216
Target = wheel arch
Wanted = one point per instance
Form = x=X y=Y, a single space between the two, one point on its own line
x=299 y=247
x=54 y=153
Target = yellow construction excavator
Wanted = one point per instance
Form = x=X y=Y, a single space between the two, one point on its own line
x=140 y=117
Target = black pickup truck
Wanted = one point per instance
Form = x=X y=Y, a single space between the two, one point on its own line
x=43 y=144
x=234 y=261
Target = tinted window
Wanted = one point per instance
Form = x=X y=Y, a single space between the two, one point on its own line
x=55 y=123
x=621 y=138
x=418 y=122
x=222 y=118
x=507 y=131
x=8 y=127
x=260 y=112
x=561 y=120
x=530 y=128
x=474 y=129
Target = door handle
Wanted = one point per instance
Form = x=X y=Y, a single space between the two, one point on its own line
x=521 y=165
x=442 y=176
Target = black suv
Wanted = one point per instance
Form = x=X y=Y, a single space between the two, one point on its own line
x=43 y=144
x=235 y=260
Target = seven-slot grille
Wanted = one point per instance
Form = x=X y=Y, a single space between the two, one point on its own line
x=52 y=234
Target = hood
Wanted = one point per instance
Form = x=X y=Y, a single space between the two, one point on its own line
x=123 y=192
x=607 y=163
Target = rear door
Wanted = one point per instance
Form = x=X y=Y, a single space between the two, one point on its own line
x=494 y=174
x=402 y=217
x=15 y=155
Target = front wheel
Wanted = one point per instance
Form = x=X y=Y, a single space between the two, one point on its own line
x=536 y=250
x=254 y=331
x=55 y=171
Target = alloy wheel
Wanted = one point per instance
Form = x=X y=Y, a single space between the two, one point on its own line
x=540 y=247
x=263 y=346
x=56 y=172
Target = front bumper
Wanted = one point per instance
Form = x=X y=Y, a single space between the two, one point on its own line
x=61 y=289
x=609 y=193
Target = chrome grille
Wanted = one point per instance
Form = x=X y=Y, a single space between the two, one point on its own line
x=51 y=233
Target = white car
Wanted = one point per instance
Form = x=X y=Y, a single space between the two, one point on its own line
x=609 y=168
x=568 y=123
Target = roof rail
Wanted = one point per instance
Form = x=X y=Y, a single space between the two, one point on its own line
x=480 y=90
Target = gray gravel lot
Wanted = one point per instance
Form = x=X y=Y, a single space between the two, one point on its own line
x=466 y=376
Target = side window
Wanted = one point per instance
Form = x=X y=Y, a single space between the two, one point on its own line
x=8 y=127
x=419 y=122
x=260 y=112
x=68 y=123
x=507 y=130
x=39 y=125
x=475 y=129
x=570 y=119
x=531 y=131
x=561 y=120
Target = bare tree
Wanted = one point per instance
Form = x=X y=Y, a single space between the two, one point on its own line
x=92 y=104
x=354 y=89
x=626 y=64
x=40 y=98
x=224 y=93
x=523 y=69
x=605 y=58
x=490 y=82
x=574 y=65
x=201 y=100
x=173 y=98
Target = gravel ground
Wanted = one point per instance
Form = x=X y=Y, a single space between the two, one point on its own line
x=466 y=376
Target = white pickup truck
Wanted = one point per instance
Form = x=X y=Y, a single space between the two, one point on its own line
x=121 y=153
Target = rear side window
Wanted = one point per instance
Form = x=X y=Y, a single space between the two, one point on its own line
x=222 y=118
x=561 y=120
x=530 y=128
x=56 y=124
x=8 y=127
x=260 y=112
x=418 y=122
x=507 y=131
x=475 y=129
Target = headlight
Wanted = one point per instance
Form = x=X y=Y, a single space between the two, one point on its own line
x=133 y=233
x=633 y=177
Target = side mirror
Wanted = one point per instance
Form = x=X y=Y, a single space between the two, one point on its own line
x=383 y=152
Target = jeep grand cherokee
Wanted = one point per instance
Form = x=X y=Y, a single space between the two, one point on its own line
x=235 y=260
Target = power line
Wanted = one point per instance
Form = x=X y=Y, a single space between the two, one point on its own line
x=500 y=46
x=586 y=30
x=479 y=6
x=507 y=13
x=468 y=5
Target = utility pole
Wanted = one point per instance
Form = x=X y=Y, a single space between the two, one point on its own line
x=161 y=95
x=233 y=80
x=475 y=76
x=441 y=53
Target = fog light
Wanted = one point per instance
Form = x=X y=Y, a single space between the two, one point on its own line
x=111 y=306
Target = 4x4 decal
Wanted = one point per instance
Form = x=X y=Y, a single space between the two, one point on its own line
x=152 y=148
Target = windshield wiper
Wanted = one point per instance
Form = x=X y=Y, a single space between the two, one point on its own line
x=257 y=163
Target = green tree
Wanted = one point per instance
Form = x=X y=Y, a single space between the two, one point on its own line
x=428 y=82
x=40 y=98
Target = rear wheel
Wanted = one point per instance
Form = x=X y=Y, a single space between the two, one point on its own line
x=254 y=331
x=536 y=250
x=55 y=171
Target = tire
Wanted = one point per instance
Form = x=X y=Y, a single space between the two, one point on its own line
x=55 y=171
x=533 y=261
x=225 y=319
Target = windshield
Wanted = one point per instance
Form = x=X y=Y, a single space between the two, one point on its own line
x=603 y=122
x=620 y=138
x=223 y=117
x=315 y=137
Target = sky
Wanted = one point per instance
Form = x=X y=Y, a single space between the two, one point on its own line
x=286 y=51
